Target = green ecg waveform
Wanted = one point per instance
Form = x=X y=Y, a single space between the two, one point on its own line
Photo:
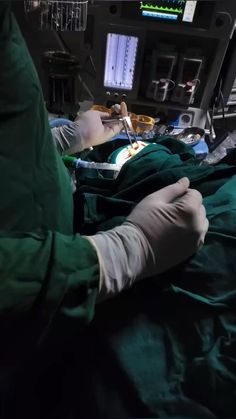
x=159 y=8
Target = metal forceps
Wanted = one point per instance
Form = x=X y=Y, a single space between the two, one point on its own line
x=129 y=130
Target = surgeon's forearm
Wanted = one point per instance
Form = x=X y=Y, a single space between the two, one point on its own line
x=66 y=137
x=126 y=252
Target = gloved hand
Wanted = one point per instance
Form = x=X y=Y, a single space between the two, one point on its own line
x=164 y=229
x=87 y=130
x=93 y=131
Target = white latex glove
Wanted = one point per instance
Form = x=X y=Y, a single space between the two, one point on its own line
x=93 y=131
x=163 y=230
x=86 y=131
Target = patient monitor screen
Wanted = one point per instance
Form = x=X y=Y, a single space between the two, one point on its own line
x=121 y=51
x=195 y=13
x=175 y=10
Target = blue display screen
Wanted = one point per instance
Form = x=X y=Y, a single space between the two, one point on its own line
x=157 y=15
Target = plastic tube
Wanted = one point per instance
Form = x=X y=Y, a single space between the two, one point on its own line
x=77 y=163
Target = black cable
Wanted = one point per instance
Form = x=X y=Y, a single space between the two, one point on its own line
x=223 y=108
x=219 y=92
x=64 y=47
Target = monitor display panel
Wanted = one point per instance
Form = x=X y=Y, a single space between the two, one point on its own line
x=120 y=61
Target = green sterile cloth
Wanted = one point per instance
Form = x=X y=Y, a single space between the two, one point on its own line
x=48 y=277
x=155 y=167
x=167 y=347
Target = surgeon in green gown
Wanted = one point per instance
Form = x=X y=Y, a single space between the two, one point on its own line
x=50 y=276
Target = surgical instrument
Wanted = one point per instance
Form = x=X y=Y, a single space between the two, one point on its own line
x=126 y=121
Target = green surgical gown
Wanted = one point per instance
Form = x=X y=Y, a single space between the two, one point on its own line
x=47 y=274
